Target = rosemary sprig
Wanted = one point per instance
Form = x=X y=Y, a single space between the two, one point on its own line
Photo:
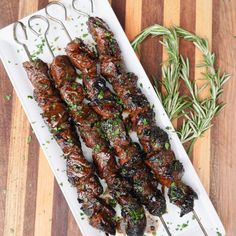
x=197 y=114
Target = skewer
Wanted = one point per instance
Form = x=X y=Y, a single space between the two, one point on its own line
x=161 y=218
x=200 y=223
x=25 y=35
x=45 y=32
x=57 y=20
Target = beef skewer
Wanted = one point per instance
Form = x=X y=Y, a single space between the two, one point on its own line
x=154 y=140
x=80 y=172
x=87 y=121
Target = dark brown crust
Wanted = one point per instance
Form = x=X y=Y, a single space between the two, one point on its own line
x=88 y=124
x=79 y=170
x=154 y=140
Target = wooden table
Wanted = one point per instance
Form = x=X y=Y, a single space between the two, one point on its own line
x=31 y=202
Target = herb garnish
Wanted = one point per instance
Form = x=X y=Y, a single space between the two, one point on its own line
x=197 y=113
x=29 y=139
x=7 y=97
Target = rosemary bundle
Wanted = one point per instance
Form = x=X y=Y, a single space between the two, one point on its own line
x=196 y=113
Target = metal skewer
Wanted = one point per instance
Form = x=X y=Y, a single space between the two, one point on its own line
x=56 y=19
x=200 y=223
x=40 y=33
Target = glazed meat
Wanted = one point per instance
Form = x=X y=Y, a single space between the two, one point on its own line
x=79 y=170
x=89 y=125
x=154 y=140
x=102 y=100
x=129 y=154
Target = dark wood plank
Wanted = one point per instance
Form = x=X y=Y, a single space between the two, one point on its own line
x=60 y=213
x=31 y=187
x=119 y=9
x=151 y=50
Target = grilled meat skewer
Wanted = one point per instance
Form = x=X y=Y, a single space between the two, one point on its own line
x=154 y=140
x=79 y=170
x=130 y=155
x=88 y=123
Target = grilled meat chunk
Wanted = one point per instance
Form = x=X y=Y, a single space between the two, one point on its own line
x=102 y=99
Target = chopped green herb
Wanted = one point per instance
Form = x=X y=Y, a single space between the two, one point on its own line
x=74 y=86
x=136 y=214
x=30 y=97
x=56 y=38
x=167 y=146
x=141 y=85
x=97 y=148
x=84 y=35
x=9 y=61
x=145 y=121
x=7 y=97
x=218 y=233
x=29 y=139
x=116 y=132
x=61 y=184
x=112 y=202
x=101 y=95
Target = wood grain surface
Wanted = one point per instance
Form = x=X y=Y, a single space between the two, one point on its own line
x=31 y=202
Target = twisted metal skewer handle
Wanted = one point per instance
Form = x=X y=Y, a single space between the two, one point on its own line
x=80 y=11
x=15 y=36
x=41 y=33
x=56 y=19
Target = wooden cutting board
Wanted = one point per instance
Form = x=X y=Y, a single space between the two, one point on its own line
x=31 y=202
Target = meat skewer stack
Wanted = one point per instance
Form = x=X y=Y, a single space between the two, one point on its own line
x=87 y=121
x=80 y=172
x=101 y=124
x=154 y=140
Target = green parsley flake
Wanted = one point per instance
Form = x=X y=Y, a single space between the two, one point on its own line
x=7 y=97
x=145 y=121
x=101 y=95
x=30 y=97
x=29 y=139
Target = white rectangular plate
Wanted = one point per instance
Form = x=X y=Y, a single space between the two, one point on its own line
x=13 y=55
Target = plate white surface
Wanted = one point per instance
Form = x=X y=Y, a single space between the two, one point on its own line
x=13 y=55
